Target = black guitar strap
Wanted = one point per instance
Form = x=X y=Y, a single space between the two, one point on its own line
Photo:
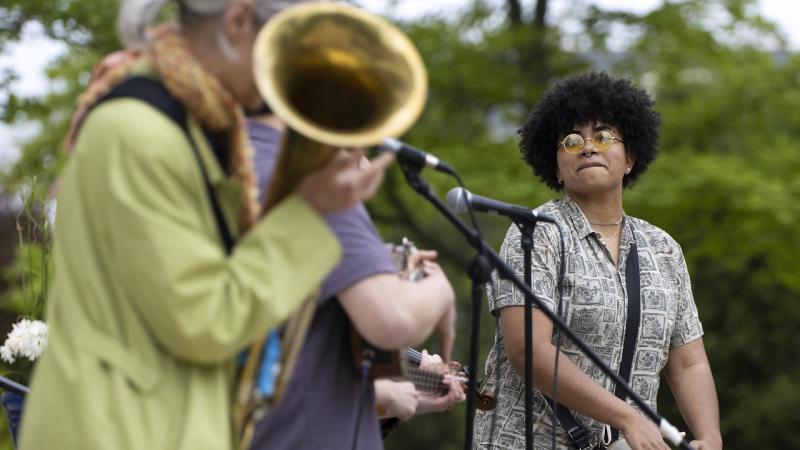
x=577 y=432
x=154 y=93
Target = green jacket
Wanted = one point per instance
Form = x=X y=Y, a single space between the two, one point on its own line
x=146 y=312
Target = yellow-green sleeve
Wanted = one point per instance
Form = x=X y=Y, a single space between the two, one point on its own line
x=200 y=304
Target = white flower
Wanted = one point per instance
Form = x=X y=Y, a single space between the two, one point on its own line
x=7 y=355
x=27 y=339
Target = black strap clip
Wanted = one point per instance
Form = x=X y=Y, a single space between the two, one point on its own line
x=579 y=437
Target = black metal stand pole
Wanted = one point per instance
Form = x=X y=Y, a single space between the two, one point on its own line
x=526 y=242
x=479 y=272
x=418 y=184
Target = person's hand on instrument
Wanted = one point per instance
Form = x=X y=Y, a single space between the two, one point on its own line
x=642 y=434
x=698 y=445
x=343 y=182
x=432 y=402
x=396 y=399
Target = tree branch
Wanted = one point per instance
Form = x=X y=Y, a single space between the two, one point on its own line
x=539 y=15
x=514 y=12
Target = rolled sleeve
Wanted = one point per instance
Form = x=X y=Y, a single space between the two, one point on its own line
x=544 y=271
x=687 y=320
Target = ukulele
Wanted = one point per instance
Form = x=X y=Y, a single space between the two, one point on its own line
x=433 y=381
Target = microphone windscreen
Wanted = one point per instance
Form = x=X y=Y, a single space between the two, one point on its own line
x=456 y=200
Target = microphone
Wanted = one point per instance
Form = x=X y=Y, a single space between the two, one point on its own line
x=458 y=199
x=414 y=156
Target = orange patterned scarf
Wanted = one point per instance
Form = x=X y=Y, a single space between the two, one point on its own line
x=202 y=94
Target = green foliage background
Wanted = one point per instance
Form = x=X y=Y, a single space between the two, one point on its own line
x=724 y=185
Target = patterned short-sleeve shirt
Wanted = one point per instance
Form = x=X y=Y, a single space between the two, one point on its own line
x=594 y=305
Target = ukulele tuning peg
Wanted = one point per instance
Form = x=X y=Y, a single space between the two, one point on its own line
x=486 y=400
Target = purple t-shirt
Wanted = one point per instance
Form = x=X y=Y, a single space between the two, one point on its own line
x=325 y=402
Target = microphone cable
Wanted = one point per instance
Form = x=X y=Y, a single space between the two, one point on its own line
x=493 y=426
x=470 y=212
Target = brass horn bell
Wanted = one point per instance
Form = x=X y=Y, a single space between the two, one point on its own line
x=339 y=75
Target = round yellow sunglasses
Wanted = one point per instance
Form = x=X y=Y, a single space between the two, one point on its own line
x=602 y=141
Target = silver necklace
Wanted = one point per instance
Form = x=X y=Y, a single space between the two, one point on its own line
x=607 y=239
x=607 y=224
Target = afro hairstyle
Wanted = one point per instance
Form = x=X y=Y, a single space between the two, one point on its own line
x=583 y=99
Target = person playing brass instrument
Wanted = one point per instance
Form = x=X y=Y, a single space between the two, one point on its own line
x=148 y=307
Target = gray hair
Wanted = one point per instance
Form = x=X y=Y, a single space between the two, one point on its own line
x=268 y=8
x=135 y=16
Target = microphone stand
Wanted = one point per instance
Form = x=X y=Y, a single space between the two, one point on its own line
x=488 y=257
x=479 y=273
x=526 y=230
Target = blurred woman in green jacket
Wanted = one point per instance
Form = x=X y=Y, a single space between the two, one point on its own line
x=148 y=310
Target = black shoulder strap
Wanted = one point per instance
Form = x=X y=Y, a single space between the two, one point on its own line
x=577 y=432
x=631 y=326
x=154 y=93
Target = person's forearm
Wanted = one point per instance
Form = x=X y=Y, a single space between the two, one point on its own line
x=576 y=390
x=696 y=396
x=689 y=376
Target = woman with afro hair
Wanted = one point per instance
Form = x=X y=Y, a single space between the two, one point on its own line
x=589 y=137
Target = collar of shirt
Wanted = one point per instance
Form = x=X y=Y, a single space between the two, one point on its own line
x=576 y=219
